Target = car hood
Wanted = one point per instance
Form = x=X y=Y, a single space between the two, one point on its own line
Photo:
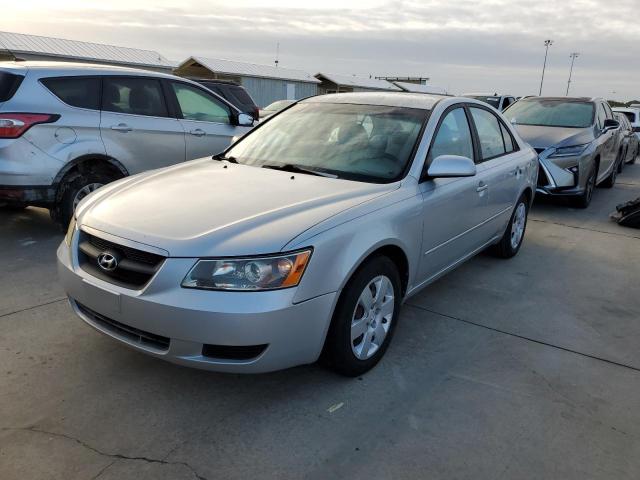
x=544 y=137
x=210 y=208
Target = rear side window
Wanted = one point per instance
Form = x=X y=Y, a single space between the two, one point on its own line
x=489 y=133
x=508 y=141
x=240 y=96
x=83 y=92
x=136 y=96
x=9 y=84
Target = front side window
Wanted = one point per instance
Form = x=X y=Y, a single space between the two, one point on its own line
x=136 y=96
x=602 y=116
x=367 y=143
x=83 y=92
x=551 y=113
x=198 y=105
x=453 y=137
x=489 y=133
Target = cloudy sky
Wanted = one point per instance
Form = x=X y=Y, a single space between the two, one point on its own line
x=463 y=45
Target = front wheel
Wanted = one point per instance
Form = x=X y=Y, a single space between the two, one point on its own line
x=365 y=318
x=584 y=200
x=511 y=241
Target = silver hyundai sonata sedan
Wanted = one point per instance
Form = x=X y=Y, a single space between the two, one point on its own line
x=301 y=240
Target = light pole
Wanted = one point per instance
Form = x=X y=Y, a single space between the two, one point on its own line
x=573 y=57
x=547 y=43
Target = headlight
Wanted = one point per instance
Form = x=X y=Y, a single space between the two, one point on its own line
x=572 y=151
x=249 y=274
x=69 y=235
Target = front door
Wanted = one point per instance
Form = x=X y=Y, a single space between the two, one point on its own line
x=454 y=208
x=206 y=121
x=135 y=125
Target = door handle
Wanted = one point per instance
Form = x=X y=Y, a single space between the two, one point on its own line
x=198 y=132
x=482 y=187
x=121 y=127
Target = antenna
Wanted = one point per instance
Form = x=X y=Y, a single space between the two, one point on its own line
x=277 y=54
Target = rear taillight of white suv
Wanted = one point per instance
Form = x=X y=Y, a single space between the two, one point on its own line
x=13 y=125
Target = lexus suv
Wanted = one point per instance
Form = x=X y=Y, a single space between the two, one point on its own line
x=302 y=239
x=578 y=140
x=67 y=129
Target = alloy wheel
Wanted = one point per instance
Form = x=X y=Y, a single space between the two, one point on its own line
x=372 y=317
x=84 y=191
x=518 y=225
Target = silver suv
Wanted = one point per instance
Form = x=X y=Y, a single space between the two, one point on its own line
x=67 y=129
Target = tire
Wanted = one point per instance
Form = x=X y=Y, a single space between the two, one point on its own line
x=351 y=356
x=584 y=200
x=622 y=159
x=510 y=243
x=73 y=191
x=610 y=181
x=635 y=155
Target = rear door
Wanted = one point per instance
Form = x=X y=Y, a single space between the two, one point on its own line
x=136 y=126
x=454 y=208
x=501 y=165
x=206 y=120
x=608 y=141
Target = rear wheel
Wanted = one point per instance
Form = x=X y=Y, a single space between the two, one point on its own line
x=73 y=192
x=512 y=239
x=365 y=318
x=635 y=155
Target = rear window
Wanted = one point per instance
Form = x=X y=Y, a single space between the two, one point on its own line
x=9 y=83
x=83 y=92
x=630 y=115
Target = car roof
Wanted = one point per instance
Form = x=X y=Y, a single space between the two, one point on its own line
x=74 y=68
x=392 y=99
x=564 y=99
x=626 y=109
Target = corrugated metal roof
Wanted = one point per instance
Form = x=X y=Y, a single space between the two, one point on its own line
x=231 y=67
x=17 y=43
x=419 y=88
x=361 y=82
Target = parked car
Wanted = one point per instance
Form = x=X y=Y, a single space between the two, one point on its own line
x=235 y=94
x=633 y=115
x=578 y=141
x=630 y=143
x=67 y=129
x=303 y=239
x=499 y=102
x=274 y=108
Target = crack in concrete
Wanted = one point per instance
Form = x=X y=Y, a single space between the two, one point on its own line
x=583 y=228
x=33 y=307
x=115 y=456
x=528 y=339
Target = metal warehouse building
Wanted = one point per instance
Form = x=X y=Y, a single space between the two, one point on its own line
x=265 y=83
x=332 y=83
x=18 y=46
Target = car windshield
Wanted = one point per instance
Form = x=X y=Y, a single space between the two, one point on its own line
x=551 y=113
x=493 y=101
x=367 y=143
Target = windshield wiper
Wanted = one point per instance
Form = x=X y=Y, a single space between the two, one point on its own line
x=289 y=167
x=221 y=156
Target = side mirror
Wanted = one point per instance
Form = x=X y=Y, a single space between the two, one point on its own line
x=610 y=124
x=245 y=120
x=447 y=166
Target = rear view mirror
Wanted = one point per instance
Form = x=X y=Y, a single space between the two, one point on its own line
x=610 y=124
x=245 y=120
x=447 y=166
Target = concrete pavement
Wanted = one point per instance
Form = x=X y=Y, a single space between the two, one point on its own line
x=527 y=368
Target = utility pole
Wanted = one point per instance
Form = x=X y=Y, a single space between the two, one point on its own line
x=573 y=57
x=547 y=43
x=277 y=54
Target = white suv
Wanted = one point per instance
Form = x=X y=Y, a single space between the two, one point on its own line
x=67 y=129
x=633 y=114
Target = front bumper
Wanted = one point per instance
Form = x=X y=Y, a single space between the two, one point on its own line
x=179 y=325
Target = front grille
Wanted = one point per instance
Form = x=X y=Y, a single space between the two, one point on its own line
x=135 y=335
x=228 y=352
x=134 y=267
